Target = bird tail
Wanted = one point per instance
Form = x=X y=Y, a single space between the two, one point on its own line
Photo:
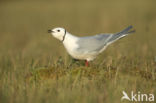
x=121 y=34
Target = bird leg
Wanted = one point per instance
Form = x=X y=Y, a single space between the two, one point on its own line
x=86 y=63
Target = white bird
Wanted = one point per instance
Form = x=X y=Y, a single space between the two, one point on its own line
x=87 y=48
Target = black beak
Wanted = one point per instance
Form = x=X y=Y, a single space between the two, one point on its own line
x=49 y=31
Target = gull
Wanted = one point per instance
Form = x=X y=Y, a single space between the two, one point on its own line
x=89 y=47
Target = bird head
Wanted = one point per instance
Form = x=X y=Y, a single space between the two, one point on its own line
x=58 y=33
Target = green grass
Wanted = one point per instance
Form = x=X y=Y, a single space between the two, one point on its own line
x=35 y=67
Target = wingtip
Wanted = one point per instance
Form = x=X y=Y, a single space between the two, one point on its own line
x=133 y=31
x=130 y=26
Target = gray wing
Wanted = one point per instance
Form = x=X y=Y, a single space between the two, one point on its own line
x=93 y=43
x=96 y=43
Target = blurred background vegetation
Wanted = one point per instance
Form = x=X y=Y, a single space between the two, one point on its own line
x=35 y=67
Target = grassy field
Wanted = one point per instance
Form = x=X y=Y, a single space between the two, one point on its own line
x=35 y=67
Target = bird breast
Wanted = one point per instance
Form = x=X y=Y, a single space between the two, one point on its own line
x=71 y=45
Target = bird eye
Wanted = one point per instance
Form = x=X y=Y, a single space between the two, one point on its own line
x=58 y=30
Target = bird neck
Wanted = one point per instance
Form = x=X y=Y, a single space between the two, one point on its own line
x=69 y=37
x=64 y=35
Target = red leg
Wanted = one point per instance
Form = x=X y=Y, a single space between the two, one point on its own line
x=86 y=63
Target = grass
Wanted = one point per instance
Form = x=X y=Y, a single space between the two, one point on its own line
x=34 y=66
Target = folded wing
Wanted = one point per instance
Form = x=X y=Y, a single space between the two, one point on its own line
x=97 y=43
x=92 y=44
